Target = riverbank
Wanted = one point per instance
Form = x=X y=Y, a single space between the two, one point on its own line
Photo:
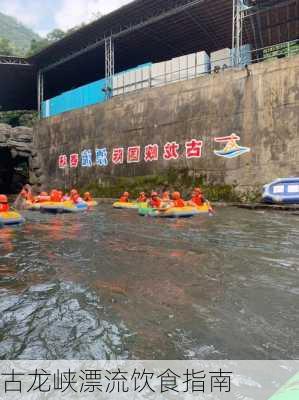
x=182 y=180
x=220 y=204
x=265 y=206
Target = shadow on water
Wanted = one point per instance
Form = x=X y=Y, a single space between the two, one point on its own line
x=110 y=284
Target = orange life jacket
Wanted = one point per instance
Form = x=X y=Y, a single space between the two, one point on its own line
x=56 y=197
x=4 y=207
x=155 y=203
x=141 y=199
x=198 y=200
x=179 y=203
x=123 y=199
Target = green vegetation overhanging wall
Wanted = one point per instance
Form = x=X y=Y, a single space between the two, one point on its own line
x=19 y=118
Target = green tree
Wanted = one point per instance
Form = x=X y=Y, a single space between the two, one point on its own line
x=6 y=47
x=56 y=34
x=52 y=37
x=37 y=45
x=18 y=118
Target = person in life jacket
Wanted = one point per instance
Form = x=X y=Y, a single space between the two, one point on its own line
x=73 y=192
x=177 y=200
x=197 y=198
x=155 y=201
x=124 y=198
x=166 y=201
x=142 y=198
x=77 y=199
x=87 y=197
x=165 y=196
x=3 y=203
x=26 y=193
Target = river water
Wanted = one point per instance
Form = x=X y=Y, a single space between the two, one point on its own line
x=108 y=284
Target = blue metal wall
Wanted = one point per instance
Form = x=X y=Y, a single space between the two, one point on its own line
x=81 y=97
x=73 y=99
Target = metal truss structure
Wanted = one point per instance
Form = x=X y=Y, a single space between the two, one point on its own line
x=109 y=66
x=12 y=60
x=126 y=30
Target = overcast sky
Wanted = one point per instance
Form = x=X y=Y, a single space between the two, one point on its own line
x=45 y=15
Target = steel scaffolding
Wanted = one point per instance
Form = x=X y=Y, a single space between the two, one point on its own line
x=237 y=31
x=109 y=66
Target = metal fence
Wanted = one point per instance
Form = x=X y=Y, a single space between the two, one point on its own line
x=144 y=78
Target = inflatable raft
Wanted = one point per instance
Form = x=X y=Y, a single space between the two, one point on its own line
x=206 y=208
x=122 y=205
x=283 y=191
x=11 y=218
x=92 y=203
x=32 y=206
x=63 y=207
x=175 y=212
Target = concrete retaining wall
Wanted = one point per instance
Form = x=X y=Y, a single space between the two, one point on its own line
x=260 y=105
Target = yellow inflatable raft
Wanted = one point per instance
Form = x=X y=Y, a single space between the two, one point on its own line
x=63 y=207
x=122 y=205
x=32 y=206
x=206 y=208
x=92 y=203
x=175 y=212
x=11 y=218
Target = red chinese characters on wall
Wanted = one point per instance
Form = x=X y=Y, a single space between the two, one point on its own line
x=74 y=160
x=62 y=161
x=151 y=152
x=118 y=155
x=133 y=154
x=193 y=148
x=171 y=151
